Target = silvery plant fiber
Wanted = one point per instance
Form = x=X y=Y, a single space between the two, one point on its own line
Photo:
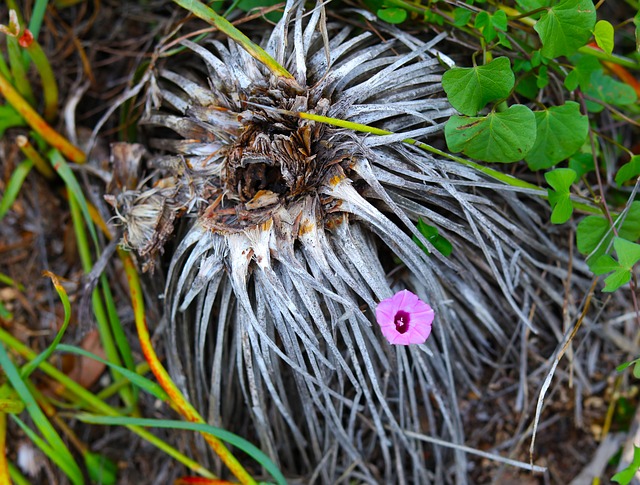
x=282 y=234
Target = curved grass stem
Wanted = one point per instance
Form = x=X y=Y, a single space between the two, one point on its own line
x=184 y=407
x=48 y=79
x=39 y=125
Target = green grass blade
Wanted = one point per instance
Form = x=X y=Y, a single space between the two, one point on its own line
x=95 y=404
x=151 y=387
x=31 y=366
x=47 y=449
x=63 y=456
x=37 y=16
x=4 y=70
x=10 y=282
x=120 y=337
x=14 y=185
x=61 y=166
x=235 y=440
x=104 y=327
x=17 y=476
x=18 y=70
x=207 y=14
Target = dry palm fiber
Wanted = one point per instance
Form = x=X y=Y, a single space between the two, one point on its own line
x=288 y=232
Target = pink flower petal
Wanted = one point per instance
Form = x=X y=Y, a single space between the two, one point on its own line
x=404 y=319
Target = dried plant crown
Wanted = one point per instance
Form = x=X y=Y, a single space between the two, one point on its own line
x=288 y=230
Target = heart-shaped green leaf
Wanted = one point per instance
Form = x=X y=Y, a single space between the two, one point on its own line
x=561 y=131
x=603 y=33
x=469 y=89
x=566 y=27
x=503 y=137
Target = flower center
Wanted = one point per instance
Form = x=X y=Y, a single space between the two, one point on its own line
x=402 y=321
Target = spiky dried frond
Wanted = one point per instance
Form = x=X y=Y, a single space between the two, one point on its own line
x=294 y=230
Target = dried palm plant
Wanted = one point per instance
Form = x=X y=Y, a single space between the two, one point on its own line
x=289 y=231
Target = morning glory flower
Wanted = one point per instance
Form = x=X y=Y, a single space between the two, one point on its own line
x=405 y=319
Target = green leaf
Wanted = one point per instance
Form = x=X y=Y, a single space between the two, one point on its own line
x=603 y=33
x=630 y=228
x=626 y=365
x=566 y=27
x=499 y=20
x=503 y=40
x=593 y=229
x=503 y=137
x=560 y=197
x=221 y=434
x=580 y=75
x=590 y=232
x=618 y=278
x=561 y=131
x=610 y=91
x=542 y=79
x=101 y=469
x=528 y=86
x=469 y=89
x=581 y=163
x=9 y=118
x=461 y=17
x=431 y=234
x=629 y=170
x=604 y=264
x=392 y=15
x=483 y=24
x=628 y=255
x=13 y=186
x=628 y=252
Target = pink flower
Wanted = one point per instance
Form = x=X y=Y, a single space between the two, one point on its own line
x=405 y=319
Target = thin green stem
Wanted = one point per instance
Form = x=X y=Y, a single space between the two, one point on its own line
x=603 y=56
x=495 y=174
